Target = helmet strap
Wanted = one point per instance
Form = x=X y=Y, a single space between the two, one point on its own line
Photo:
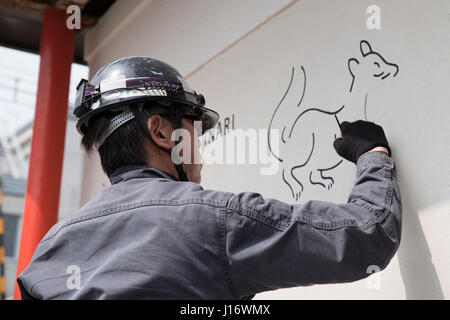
x=179 y=167
x=141 y=119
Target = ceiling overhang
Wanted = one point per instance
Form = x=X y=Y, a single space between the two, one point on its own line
x=21 y=22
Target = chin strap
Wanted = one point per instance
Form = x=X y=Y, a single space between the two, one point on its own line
x=141 y=119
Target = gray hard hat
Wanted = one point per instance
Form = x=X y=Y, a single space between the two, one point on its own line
x=137 y=79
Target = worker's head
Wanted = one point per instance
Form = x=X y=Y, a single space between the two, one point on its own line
x=130 y=110
x=129 y=145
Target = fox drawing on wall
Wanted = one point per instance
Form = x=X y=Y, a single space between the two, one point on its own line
x=314 y=159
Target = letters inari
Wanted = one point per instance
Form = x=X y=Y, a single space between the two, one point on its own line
x=313 y=156
x=213 y=134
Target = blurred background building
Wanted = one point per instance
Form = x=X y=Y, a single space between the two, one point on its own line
x=15 y=148
x=20 y=31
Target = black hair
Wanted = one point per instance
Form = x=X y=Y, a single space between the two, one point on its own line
x=126 y=145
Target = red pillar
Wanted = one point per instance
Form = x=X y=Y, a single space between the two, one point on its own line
x=49 y=128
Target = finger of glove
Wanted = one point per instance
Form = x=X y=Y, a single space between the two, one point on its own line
x=339 y=145
x=375 y=133
x=343 y=148
x=343 y=126
x=355 y=127
x=365 y=130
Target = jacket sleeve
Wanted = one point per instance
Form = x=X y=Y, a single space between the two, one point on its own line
x=269 y=244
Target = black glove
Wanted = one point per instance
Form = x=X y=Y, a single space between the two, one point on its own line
x=359 y=137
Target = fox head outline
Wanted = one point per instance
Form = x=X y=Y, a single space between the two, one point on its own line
x=371 y=66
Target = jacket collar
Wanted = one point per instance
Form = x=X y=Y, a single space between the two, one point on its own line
x=138 y=171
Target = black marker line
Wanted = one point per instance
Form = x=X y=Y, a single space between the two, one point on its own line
x=368 y=44
x=312 y=182
x=314 y=109
x=302 y=165
x=365 y=107
x=282 y=134
x=385 y=76
x=334 y=166
x=325 y=177
x=350 y=70
x=284 y=179
x=379 y=55
x=337 y=120
x=273 y=115
x=304 y=87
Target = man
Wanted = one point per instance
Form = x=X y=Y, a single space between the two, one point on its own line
x=155 y=233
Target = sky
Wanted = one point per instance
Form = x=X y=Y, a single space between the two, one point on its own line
x=18 y=86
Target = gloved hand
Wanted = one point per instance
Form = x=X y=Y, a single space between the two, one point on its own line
x=359 y=137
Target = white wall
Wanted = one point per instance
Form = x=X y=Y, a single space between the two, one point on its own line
x=240 y=55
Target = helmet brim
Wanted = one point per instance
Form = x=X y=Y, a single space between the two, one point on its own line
x=209 y=119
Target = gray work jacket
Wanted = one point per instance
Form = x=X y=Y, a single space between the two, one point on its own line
x=148 y=236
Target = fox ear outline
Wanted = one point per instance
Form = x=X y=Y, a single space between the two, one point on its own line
x=365 y=48
x=352 y=63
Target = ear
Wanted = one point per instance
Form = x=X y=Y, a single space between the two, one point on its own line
x=352 y=64
x=365 y=48
x=160 y=131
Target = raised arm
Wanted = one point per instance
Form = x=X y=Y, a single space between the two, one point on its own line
x=270 y=244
